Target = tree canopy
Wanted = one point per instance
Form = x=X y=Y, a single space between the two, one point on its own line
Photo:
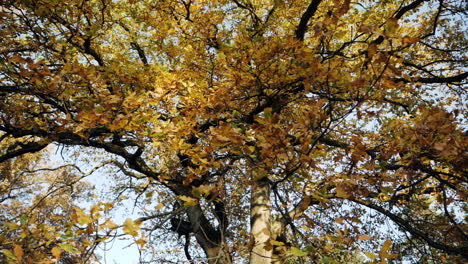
x=246 y=131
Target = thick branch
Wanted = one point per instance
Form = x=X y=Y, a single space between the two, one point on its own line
x=31 y=147
x=399 y=14
x=136 y=46
x=308 y=14
x=141 y=52
x=408 y=8
x=405 y=225
x=451 y=79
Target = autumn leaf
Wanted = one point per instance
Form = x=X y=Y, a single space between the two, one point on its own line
x=372 y=50
x=188 y=201
x=10 y=256
x=364 y=237
x=56 y=252
x=391 y=26
x=160 y=206
x=18 y=251
x=81 y=217
x=109 y=224
x=343 y=191
x=203 y=190
x=233 y=121
x=371 y=255
x=130 y=227
x=68 y=247
x=384 y=251
x=297 y=252
x=141 y=241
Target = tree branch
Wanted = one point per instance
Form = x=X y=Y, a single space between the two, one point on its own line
x=451 y=79
x=405 y=225
x=31 y=147
x=308 y=14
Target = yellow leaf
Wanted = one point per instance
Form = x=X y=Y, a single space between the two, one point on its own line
x=160 y=206
x=102 y=239
x=109 y=224
x=339 y=220
x=188 y=201
x=391 y=25
x=56 y=252
x=364 y=237
x=370 y=255
x=130 y=227
x=267 y=113
x=9 y=255
x=95 y=210
x=409 y=40
x=81 y=217
x=107 y=206
x=142 y=241
x=202 y=190
x=68 y=248
x=385 y=248
x=276 y=243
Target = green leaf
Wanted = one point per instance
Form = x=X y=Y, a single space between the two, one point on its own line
x=67 y=235
x=68 y=248
x=24 y=219
x=297 y=252
x=276 y=243
x=327 y=260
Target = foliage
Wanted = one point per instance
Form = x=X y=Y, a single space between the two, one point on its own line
x=337 y=129
x=40 y=221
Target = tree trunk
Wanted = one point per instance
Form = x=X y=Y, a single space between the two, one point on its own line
x=260 y=213
x=218 y=255
x=277 y=229
x=210 y=240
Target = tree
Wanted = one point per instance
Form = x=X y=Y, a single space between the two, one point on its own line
x=40 y=219
x=272 y=131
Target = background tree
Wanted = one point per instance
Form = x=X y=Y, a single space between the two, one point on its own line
x=271 y=131
x=40 y=221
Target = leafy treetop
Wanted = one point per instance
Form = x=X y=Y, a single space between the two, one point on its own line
x=325 y=112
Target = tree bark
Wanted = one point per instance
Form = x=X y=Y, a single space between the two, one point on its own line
x=260 y=213
x=278 y=234
x=210 y=239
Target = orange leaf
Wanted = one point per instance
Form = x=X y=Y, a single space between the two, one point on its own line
x=18 y=250
x=364 y=237
x=342 y=191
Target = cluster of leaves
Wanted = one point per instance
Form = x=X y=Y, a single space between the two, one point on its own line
x=335 y=128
